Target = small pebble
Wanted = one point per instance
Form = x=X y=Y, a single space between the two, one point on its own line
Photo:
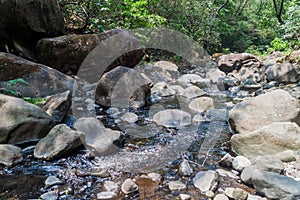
x=176 y=185
x=221 y=197
x=106 y=195
x=184 y=197
x=129 y=186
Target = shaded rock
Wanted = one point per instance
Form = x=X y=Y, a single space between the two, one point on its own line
x=250 y=85
x=156 y=74
x=42 y=80
x=269 y=140
x=226 y=173
x=286 y=156
x=51 y=181
x=192 y=92
x=161 y=90
x=57 y=106
x=231 y=62
x=177 y=88
x=226 y=161
x=282 y=73
x=172 y=118
x=269 y=163
x=129 y=186
x=67 y=53
x=18 y=119
x=110 y=186
x=185 y=168
x=201 y=104
x=206 y=180
x=226 y=82
x=275 y=186
x=190 y=78
x=96 y=137
x=247 y=174
x=176 y=185
x=60 y=141
x=23 y=23
x=122 y=87
x=52 y=195
x=217 y=114
x=129 y=117
x=10 y=155
x=106 y=195
x=240 y=162
x=254 y=113
x=214 y=75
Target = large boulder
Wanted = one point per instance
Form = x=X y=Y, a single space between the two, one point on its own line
x=10 y=155
x=66 y=53
x=123 y=87
x=234 y=62
x=22 y=122
x=283 y=73
x=254 y=113
x=42 y=80
x=60 y=141
x=23 y=23
x=273 y=139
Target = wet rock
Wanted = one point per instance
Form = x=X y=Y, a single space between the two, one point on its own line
x=24 y=22
x=172 y=118
x=42 y=80
x=52 y=195
x=185 y=168
x=226 y=82
x=269 y=163
x=231 y=62
x=60 y=141
x=206 y=180
x=161 y=90
x=240 y=162
x=217 y=114
x=283 y=73
x=51 y=181
x=17 y=119
x=96 y=137
x=221 y=197
x=122 y=87
x=129 y=117
x=57 y=106
x=106 y=195
x=10 y=155
x=185 y=197
x=275 y=186
x=110 y=186
x=92 y=172
x=201 y=104
x=214 y=75
x=254 y=113
x=129 y=186
x=67 y=53
x=176 y=185
x=272 y=139
x=192 y=92
x=226 y=161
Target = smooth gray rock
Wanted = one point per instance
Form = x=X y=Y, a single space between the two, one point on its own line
x=176 y=185
x=240 y=162
x=269 y=163
x=52 y=195
x=190 y=78
x=192 y=92
x=206 y=180
x=106 y=195
x=110 y=186
x=51 y=181
x=129 y=186
x=161 y=90
x=275 y=186
x=60 y=141
x=96 y=137
x=57 y=106
x=226 y=82
x=221 y=197
x=10 y=155
x=172 y=118
x=214 y=74
x=269 y=140
x=185 y=168
x=247 y=174
x=283 y=73
x=22 y=122
x=167 y=66
x=129 y=117
x=254 y=113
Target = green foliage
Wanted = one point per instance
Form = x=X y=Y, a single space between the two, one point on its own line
x=35 y=101
x=16 y=81
x=279 y=45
